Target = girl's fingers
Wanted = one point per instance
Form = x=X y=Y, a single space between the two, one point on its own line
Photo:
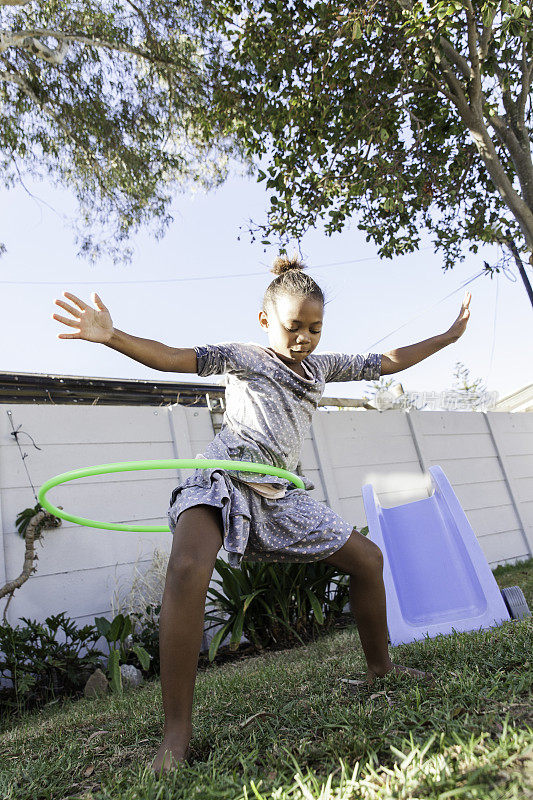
x=71 y=309
x=81 y=303
x=71 y=322
x=68 y=336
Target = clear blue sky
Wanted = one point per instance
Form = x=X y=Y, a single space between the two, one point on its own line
x=369 y=298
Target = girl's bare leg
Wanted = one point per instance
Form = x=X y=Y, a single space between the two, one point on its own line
x=362 y=559
x=197 y=539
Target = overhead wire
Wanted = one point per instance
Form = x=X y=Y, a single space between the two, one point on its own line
x=509 y=274
x=504 y=268
x=493 y=329
x=180 y=280
x=428 y=308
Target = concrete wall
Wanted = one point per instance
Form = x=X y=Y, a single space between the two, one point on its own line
x=488 y=458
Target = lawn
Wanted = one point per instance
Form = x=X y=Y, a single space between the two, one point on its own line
x=283 y=725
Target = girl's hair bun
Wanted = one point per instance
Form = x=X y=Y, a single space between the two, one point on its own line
x=285 y=263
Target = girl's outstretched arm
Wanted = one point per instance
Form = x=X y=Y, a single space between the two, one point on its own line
x=96 y=325
x=404 y=357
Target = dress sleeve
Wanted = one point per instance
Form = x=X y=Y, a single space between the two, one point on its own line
x=216 y=359
x=350 y=367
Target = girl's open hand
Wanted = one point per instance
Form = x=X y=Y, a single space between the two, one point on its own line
x=459 y=326
x=95 y=325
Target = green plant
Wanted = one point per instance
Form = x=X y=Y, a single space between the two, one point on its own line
x=40 y=666
x=382 y=383
x=464 y=383
x=116 y=631
x=278 y=604
x=147 y=634
x=24 y=517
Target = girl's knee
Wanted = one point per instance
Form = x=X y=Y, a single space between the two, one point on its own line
x=374 y=552
x=198 y=537
x=370 y=555
x=379 y=559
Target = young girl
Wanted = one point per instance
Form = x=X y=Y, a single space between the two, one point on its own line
x=271 y=394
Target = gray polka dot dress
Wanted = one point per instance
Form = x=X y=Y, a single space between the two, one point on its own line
x=268 y=414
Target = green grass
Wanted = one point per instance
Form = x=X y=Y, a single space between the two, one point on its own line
x=281 y=726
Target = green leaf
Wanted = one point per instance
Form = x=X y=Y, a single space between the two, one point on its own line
x=384 y=135
x=251 y=597
x=113 y=669
x=102 y=625
x=142 y=655
x=236 y=633
x=217 y=638
x=315 y=605
x=115 y=628
x=126 y=628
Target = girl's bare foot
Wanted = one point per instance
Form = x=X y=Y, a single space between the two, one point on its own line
x=398 y=669
x=173 y=750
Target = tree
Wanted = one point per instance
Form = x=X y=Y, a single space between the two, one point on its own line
x=102 y=98
x=464 y=383
x=412 y=114
x=384 y=383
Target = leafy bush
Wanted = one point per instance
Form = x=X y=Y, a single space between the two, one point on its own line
x=281 y=604
x=41 y=667
x=118 y=630
x=147 y=634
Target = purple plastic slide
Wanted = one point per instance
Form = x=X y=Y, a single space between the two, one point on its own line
x=436 y=576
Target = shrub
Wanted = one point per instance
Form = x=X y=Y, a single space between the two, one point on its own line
x=117 y=632
x=41 y=667
x=281 y=604
x=147 y=634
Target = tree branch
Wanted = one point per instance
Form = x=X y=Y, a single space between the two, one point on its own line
x=42 y=519
x=440 y=86
x=527 y=72
x=507 y=99
x=14 y=77
x=17 y=39
x=35 y=47
x=474 y=120
x=18 y=80
x=486 y=36
x=456 y=94
x=520 y=209
x=475 y=91
x=520 y=156
x=451 y=53
x=153 y=40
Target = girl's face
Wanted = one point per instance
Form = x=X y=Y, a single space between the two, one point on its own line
x=294 y=327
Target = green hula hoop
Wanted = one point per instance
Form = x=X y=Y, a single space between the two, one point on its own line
x=170 y=463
